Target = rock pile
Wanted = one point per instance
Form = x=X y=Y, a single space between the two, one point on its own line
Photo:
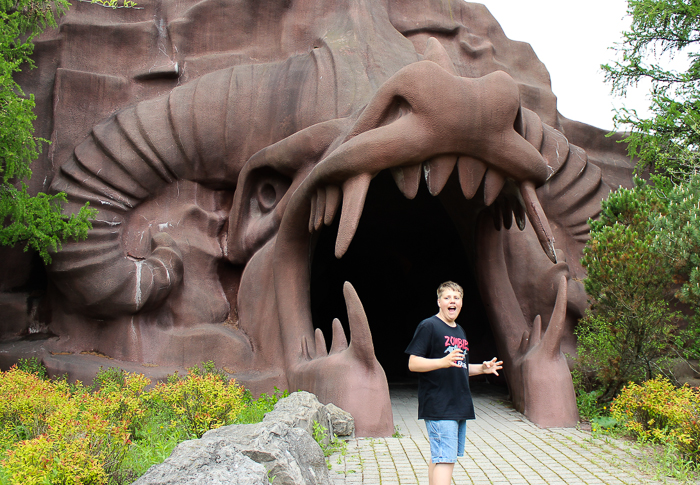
x=281 y=448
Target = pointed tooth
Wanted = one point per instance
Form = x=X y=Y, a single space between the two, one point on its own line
x=437 y=171
x=320 y=207
x=434 y=51
x=538 y=220
x=552 y=337
x=519 y=213
x=321 y=350
x=536 y=333
x=407 y=179
x=305 y=348
x=471 y=172
x=332 y=203
x=495 y=211
x=340 y=341
x=507 y=212
x=525 y=341
x=354 y=193
x=312 y=215
x=360 y=335
x=493 y=184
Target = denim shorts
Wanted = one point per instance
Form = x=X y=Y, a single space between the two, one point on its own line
x=447 y=439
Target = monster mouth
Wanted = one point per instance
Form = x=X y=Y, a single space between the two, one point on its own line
x=474 y=147
x=396 y=246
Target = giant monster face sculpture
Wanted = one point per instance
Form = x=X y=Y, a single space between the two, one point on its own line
x=380 y=144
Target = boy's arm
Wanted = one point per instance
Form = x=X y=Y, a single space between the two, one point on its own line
x=488 y=367
x=423 y=364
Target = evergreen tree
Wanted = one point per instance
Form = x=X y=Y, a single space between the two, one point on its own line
x=33 y=220
x=661 y=31
x=644 y=253
x=630 y=330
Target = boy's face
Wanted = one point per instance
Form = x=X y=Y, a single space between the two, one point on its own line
x=450 y=304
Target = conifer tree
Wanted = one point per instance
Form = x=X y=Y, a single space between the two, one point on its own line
x=662 y=47
x=643 y=257
x=35 y=221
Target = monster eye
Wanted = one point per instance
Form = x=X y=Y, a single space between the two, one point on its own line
x=269 y=188
x=267 y=196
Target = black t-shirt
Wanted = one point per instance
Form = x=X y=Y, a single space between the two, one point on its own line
x=442 y=393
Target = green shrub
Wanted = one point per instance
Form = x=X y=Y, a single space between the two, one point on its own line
x=630 y=330
x=34 y=366
x=588 y=407
x=208 y=368
x=47 y=460
x=28 y=404
x=658 y=412
x=200 y=402
x=55 y=435
x=255 y=409
x=114 y=430
x=678 y=239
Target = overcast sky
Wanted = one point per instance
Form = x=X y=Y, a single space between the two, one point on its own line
x=572 y=39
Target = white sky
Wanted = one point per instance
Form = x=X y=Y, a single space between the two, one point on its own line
x=572 y=39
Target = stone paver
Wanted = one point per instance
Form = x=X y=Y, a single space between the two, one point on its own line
x=502 y=448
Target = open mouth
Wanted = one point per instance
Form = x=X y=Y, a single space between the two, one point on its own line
x=398 y=249
x=481 y=161
x=402 y=250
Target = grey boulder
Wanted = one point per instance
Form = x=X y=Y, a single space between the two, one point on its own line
x=206 y=462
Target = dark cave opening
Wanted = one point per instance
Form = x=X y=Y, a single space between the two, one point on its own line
x=402 y=251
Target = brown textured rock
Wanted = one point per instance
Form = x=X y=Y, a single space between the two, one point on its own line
x=248 y=158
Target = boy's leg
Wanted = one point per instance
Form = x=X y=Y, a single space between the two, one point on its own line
x=443 y=436
x=440 y=473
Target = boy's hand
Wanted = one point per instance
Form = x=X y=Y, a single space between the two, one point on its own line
x=454 y=358
x=492 y=366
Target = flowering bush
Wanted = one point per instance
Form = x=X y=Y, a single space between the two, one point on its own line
x=55 y=432
x=28 y=402
x=201 y=401
x=120 y=397
x=46 y=459
x=659 y=412
x=66 y=434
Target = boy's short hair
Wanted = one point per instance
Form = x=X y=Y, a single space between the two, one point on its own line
x=450 y=285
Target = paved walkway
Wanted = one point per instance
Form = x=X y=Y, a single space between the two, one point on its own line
x=502 y=448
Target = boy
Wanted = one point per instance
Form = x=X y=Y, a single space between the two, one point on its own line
x=439 y=351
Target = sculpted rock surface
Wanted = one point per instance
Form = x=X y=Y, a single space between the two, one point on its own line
x=250 y=159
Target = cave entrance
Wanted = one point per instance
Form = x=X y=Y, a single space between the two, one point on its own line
x=402 y=251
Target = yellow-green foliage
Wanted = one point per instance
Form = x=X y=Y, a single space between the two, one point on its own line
x=53 y=432
x=46 y=459
x=201 y=402
x=659 y=412
x=27 y=404
x=59 y=434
